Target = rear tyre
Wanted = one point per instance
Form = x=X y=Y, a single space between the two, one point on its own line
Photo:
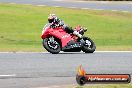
x=89 y=46
x=52 y=46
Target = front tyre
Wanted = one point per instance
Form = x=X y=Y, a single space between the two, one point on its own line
x=89 y=46
x=51 y=45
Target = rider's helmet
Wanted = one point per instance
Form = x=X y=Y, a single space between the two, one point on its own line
x=51 y=18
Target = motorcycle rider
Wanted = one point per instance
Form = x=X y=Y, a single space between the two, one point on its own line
x=56 y=22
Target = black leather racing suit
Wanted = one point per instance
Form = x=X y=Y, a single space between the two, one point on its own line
x=58 y=22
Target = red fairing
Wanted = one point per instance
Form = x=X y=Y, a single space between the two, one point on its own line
x=58 y=33
x=78 y=28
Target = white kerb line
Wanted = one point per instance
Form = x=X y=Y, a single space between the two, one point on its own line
x=10 y=75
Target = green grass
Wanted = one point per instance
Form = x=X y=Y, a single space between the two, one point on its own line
x=107 y=86
x=98 y=86
x=21 y=26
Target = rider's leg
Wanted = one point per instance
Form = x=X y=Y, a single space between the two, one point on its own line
x=70 y=30
x=77 y=34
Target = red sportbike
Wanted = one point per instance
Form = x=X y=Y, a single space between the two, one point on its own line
x=56 y=40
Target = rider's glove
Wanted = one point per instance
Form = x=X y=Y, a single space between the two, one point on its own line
x=53 y=26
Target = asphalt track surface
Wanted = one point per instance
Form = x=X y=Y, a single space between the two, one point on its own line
x=34 y=70
x=114 y=6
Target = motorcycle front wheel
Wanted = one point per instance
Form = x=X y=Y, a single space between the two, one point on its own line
x=89 y=46
x=51 y=45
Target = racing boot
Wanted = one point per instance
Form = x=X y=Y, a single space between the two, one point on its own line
x=80 y=37
x=77 y=34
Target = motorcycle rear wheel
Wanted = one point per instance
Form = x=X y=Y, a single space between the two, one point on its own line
x=51 y=48
x=88 y=47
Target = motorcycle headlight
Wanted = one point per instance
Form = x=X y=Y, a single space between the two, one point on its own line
x=43 y=31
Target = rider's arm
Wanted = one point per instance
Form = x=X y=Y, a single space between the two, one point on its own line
x=52 y=25
x=59 y=22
